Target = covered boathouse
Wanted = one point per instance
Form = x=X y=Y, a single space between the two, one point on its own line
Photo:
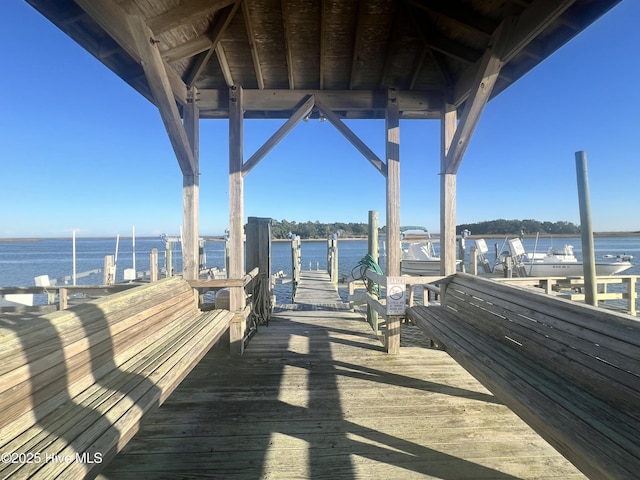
x=314 y=395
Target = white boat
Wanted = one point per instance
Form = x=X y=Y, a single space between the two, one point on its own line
x=560 y=263
x=419 y=258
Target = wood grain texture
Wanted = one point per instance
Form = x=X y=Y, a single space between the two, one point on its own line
x=316 y=396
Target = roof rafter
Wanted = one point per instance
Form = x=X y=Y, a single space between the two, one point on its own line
x=464 y=17
x=187 y=10
x=287 y=43
x=252 y=45
x=323 y=42
x=114 y=21
x=357 y=41
x=224 y=65
x=217 y=31
x=537 y=17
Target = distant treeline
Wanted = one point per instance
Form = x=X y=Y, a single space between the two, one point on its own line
x=282 y=229
x=515 y=227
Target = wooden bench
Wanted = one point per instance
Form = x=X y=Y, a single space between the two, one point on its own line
x=571 y=371
x=75 y=384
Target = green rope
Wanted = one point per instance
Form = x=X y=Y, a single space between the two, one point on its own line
x=367 y=263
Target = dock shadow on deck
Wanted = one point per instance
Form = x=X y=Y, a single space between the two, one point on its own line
x=315 y=396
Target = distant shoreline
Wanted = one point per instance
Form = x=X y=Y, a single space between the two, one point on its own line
x=435 y=235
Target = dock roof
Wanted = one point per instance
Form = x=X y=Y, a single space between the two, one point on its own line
x=347 y=53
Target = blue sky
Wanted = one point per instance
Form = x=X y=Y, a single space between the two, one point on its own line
x=80 y=150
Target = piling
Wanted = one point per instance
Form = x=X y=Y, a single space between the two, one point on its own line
x=586 y=230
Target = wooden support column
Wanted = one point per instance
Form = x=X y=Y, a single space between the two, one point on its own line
x=392 y=121
x=447 y=195
x=236 y=214
x=191 y=192
x=394 y=250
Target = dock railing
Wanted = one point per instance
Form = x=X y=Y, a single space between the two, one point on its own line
x=392 y=302
x=617 y=291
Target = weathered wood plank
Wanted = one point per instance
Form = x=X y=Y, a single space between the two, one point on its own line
x=315 y=395
x=315 y=288
x=574 y=380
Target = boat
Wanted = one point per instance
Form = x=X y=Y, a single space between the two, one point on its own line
x=419 y=257
x=558 y=262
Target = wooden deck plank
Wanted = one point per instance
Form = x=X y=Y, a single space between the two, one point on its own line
x=315 y=288
x=315 y=396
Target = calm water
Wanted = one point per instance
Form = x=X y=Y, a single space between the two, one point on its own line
x=22 y=261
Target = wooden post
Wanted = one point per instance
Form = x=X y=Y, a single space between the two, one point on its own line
x=392 y=125
x=153 y=265
x=63 y=297
x=190 y=192
x=295 y=265
x=168 y=258
x=392 y=340
x=447 y=195
x=202 y=257
x=631 y=290
x=462 y=253
x=236 y=214
x=586 y=230
x=258 y=252
x=109 y=270
x=372 y=247
x=473 y=261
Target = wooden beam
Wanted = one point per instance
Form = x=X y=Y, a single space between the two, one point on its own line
x=226 y=15
x=157 y=78
x=357 y=43
x=528 y=25
x=252 y=45
x=191 y=192
x=323 y=42
x=533 y=21
x=392 y=127
x=447 y=194
x=114 y=21
x=487 y=73
x=236 y=215
x=184 y=13
x=224 y=65
x=353 y=138
x=287 y=43
x=300 y=114
x=334 y=100
x=186 y=50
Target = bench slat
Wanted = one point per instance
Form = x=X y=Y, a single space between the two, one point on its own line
x=588 y=364
x=37 y=380
x=621 y=327
x=607 y=446
x=165 y=364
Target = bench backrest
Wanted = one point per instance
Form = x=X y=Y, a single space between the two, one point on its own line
x=45 y=360
x=591 y=347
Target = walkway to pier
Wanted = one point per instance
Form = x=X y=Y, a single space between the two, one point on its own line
x=315 y=396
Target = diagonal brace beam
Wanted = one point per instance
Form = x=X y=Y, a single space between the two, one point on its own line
x=113 y=20
x=487 y=73
x=353 y=138
x=160 y=87
x=299 y=114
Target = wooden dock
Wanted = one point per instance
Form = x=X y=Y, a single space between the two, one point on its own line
x=315 y=396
